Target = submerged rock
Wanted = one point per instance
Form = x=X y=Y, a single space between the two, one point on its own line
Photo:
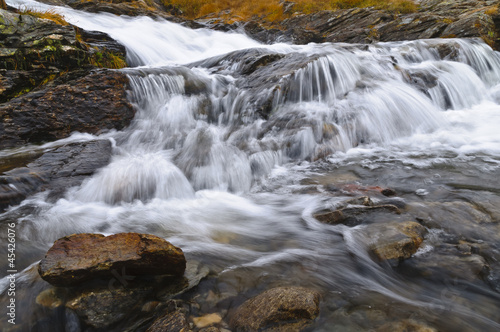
x=174 y=321
x=81 y=257
x=443 y=267
x=105 y=307
x=207 y=320
x=352 y=215
x=395 y=241
x=278 y=309
x=407 y=325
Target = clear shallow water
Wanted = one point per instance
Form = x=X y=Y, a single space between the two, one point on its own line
x=236 y=192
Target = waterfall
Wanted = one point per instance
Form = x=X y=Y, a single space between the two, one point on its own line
x=228 y=157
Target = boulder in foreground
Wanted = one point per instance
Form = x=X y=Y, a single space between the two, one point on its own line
x=80 y=257
x=278 y=309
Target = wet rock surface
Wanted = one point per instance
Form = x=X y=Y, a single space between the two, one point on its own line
x=395 y=241
x=35 y=51
x=263 y=74
x=92 y=104
x=100 y=308
x=353 y=215
x=126 y=302
x=407 y=325
x=434 y=19
x=55 y=169
x=173 y=320
x=81 y=257
x=278 y=309
x=442 y=266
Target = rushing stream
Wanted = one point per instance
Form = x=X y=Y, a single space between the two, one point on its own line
x=232 y=169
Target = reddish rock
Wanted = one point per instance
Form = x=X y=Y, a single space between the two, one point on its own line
x=81 y=257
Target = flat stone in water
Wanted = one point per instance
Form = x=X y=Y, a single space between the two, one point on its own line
x=81 y=257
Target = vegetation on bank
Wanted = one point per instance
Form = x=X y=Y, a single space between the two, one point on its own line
x=48 y=15
x=101 y=58
x=277 y=10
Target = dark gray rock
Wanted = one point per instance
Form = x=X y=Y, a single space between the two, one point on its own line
x=56 y=170
x=92 y=104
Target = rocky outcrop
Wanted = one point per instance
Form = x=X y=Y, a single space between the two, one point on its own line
x=48 y=90
x=90 y=104
x=81 y=257
x=278 y=309
x=55 y=169
x=34 y=51
x=434 y=19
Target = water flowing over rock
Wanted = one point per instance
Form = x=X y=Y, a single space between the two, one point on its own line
x=236 y=146
x=81 y=257
x=278 y=309
x=55 y=170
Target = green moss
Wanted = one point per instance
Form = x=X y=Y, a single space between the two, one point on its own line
x=107 y=59
x=49 y=48
x=22 y=92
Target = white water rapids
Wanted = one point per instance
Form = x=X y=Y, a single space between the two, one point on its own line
x=209 y=174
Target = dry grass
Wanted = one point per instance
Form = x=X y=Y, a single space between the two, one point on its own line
x=48 y=15
x=493 y=10
x=272 y=10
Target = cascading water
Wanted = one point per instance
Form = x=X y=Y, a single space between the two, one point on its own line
x=232 y=171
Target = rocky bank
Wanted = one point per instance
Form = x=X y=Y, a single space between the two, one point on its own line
x=54 y=82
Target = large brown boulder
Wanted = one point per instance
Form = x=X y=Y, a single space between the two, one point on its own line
x=80 y=257
x=90 y=104
x=278 y=309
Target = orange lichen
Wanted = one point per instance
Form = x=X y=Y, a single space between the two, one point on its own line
x=273 y=10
